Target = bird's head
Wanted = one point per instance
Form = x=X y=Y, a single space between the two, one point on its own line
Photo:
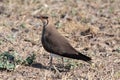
x=43 y=18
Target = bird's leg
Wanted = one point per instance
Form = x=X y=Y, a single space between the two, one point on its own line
x=63 y=62
x=50 y=63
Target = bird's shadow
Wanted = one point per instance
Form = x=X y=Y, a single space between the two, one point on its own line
x=39 y=66
x=58 y=66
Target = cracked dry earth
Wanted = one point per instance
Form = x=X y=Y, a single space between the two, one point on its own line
x=91 y=26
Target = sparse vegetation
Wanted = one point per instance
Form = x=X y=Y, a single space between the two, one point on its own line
x=9 y=61
x=118 y=50
x=20 y=32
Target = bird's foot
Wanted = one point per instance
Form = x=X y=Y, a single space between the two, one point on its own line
x=50 y=67
x=53 y=68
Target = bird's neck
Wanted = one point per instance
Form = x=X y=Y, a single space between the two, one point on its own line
x=43 y=30
x=48 y=27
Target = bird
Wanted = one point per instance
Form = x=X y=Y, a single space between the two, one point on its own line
x=54 y=43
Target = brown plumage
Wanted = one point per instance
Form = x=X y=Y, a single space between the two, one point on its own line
x=55 y=43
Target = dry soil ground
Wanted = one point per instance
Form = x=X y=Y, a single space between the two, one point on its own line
x=91 y=26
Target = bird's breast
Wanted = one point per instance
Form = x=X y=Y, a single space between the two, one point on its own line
x=45 y=44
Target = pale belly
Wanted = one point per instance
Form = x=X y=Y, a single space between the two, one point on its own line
x=54 y=55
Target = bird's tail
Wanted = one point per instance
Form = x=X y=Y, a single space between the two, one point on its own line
x=83 y=57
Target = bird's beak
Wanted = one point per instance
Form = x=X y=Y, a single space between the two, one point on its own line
x=40 y=16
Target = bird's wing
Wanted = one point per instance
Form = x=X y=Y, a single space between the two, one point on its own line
x=59 y=45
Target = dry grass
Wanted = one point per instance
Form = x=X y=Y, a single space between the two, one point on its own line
x=92 y=27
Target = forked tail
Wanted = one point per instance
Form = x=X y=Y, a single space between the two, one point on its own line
x=83 y=57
